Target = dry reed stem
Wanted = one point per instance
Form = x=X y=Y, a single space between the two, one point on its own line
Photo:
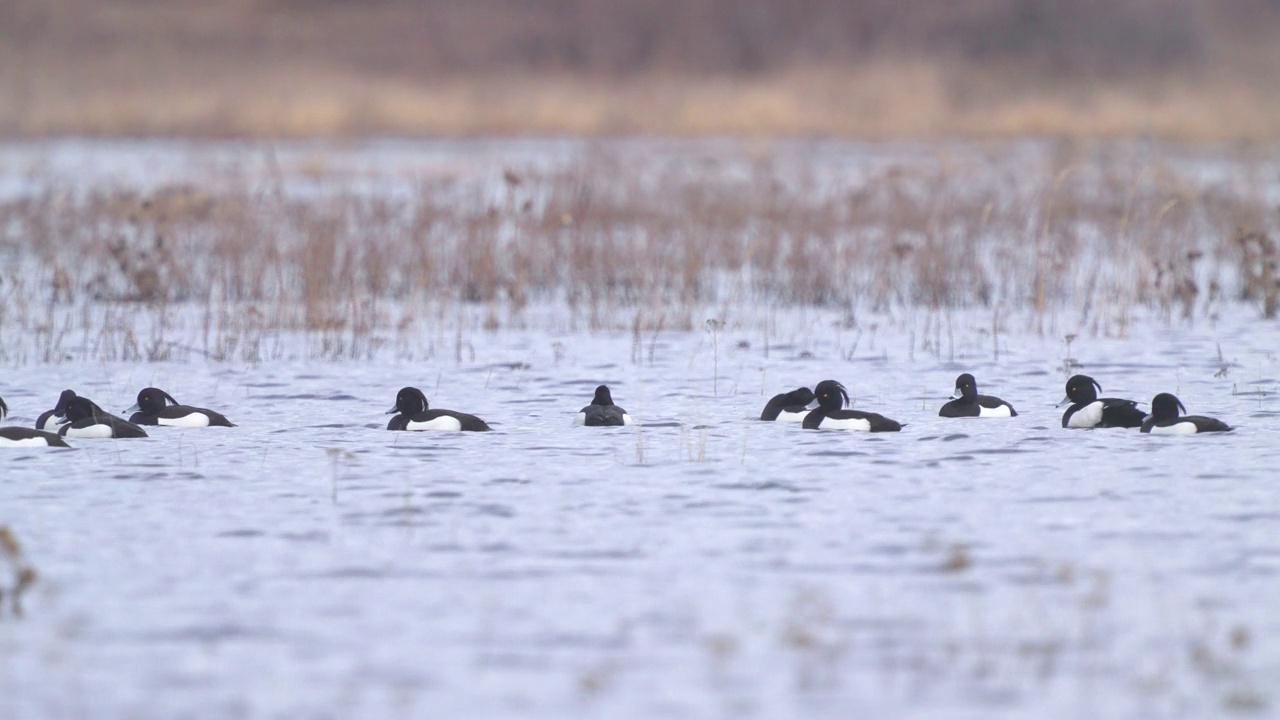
x=22 y=574
x=625 y=244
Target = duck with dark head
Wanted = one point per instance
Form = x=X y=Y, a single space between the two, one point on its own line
x=413 y=413
x=789 y=406
x=86 y=420
x=602 y=412
x=26 y=437
x=968 y=403
x=831 y=415
x=1166 y=419
x=1090 y=411
x=157 y=407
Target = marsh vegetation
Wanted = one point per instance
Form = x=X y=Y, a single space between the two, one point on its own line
x=986 y=566
x=632 y=236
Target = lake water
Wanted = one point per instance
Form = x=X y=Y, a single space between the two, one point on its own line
x=310 y=564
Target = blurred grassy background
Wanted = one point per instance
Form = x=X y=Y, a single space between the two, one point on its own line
x=1178 y=69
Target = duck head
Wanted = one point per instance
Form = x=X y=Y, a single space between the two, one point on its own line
x=60 y=410
x=409 y=401
x=1081 y=389
x=1165 y=406
x=966 y=387
x=152 y=400
x=831 y=395
x=602 y=396
x=79 y=408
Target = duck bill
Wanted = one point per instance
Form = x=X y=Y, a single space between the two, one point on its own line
x=134 y=408
x=957 y=394
x=1065 y=401
x=392 y=411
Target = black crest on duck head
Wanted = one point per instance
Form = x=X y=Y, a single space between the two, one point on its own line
x=1165 y=406
x=63 y=400
x=79 y=408
x=153 y=400
x=831 y=395
x=1082 y=388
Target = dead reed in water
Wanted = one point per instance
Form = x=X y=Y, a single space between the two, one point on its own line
x=1071 y=242
x=21 y=574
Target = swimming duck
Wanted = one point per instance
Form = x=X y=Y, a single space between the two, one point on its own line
x=414 y=414
x=1164 y=419
x=153 y=408
x=51 y=420
x=968 y=403
x=85 y=419
x=789 y=406
x=26 y=437
x=830 y=415
x=1088 y=411
x=602 y=412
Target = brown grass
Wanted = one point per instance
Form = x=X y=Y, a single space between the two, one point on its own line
x=1072 y=242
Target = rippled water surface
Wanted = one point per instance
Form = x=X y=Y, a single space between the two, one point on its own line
x=309 y=563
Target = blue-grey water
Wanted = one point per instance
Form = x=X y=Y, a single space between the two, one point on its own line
x=309 y=563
